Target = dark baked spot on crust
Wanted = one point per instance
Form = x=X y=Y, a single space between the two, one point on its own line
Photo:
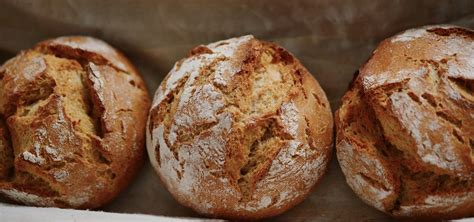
x=414 y=97
x=112 y=175
x=308 y=134
x=430 y=99
x=471 y=144
x=222 y=43
x=321 y=103
x=133 y=82
x=200 y=50
x=157 y=154
x=374 y=182
x=280 y=54
x=464 y=86
x=458 y=137
x=98 y=154
x=449 y=118
x=452 y=31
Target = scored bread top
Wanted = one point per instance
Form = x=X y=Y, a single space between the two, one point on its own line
x=73 y=115
x=239 y=129
x=405 y=130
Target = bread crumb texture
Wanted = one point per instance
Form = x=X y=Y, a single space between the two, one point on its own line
x=239 y=129
x=405 y=130
x=69 y=135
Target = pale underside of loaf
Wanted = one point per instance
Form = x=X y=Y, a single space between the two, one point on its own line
x=66 y=132
x=239 y=129
x=405 y=136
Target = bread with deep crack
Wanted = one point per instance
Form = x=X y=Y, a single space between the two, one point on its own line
x=405 y=130
x=239 y=129
x=73 y=114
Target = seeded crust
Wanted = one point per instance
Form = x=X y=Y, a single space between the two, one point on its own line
x=240 y=129
x=73 y=112
x=405 y=130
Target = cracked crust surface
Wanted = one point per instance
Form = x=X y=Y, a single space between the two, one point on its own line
x=73 y=114
x=405 y=130
x=239 y=129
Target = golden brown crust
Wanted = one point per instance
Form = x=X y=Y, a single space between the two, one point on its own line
x=75 y=119
x=240 y=129
x=405 y=128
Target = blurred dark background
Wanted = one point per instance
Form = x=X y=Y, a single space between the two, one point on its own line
x=332 y=38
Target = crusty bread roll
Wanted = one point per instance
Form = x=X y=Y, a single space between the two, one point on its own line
x=73 y=114
x=405 y=130
x=239 y=129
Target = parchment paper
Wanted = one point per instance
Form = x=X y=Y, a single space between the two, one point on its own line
x=331 y=38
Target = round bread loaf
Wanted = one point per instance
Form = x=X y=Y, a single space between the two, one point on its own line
x=405 y=130
x=73 y=115
x=239 y=129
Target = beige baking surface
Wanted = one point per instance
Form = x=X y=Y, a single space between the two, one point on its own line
x=331 y=38
x=16 y=213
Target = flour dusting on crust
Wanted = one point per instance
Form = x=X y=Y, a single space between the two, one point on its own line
x=439 y=203
x=36 y=157
x=354 y=164
x=439 y=154
x=226 y=67
x=34 y=67
x=289 y=117
x=409 y=35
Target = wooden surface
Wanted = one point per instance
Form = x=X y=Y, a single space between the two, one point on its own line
x=331 y=38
